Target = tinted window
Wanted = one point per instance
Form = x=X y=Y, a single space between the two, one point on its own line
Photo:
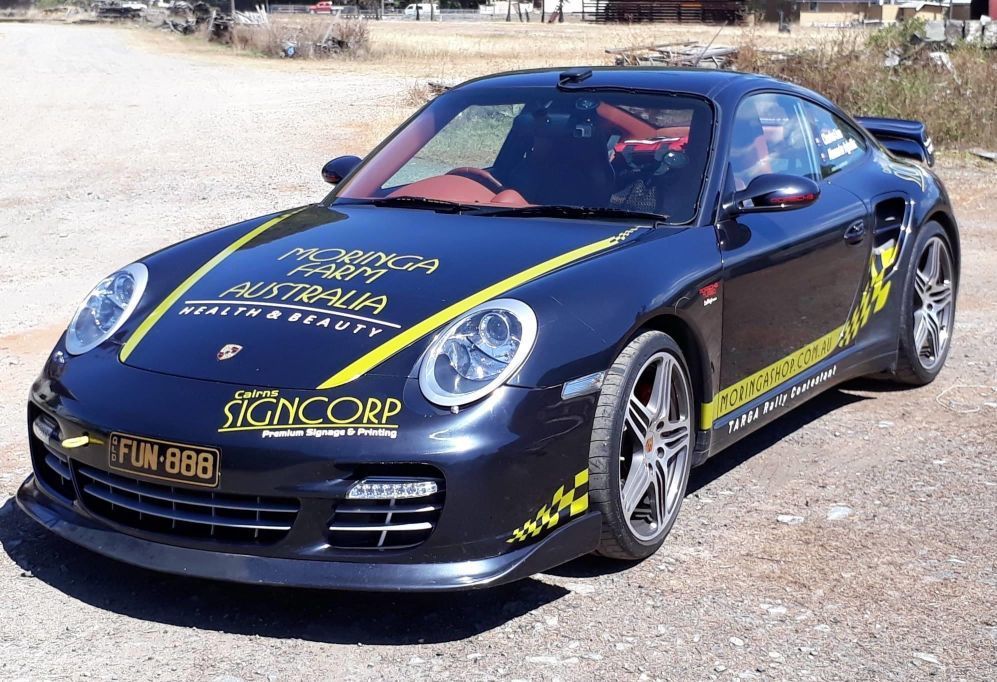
x=538 y=146
x=839 y=145
x=770 y=136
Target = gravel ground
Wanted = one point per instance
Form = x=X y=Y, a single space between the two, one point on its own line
x=881 y=567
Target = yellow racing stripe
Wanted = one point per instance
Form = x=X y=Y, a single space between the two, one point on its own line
x=871 y=300
x=375 y=357
x=768 y=378
x=706 y=416
x=168 y=302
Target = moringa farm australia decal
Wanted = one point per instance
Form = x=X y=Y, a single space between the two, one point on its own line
x=319 y=289
x=327 y=288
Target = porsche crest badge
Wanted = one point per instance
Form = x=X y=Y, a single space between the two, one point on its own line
x=229 y=351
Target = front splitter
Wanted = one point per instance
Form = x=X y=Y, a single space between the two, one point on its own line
x=568 y=542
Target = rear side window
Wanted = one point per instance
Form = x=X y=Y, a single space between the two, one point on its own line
x=839 y=145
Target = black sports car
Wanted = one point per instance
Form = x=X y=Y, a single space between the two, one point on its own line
x=502 y=341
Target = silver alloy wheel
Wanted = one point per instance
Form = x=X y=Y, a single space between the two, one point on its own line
x=933 y=292
x=655 y=447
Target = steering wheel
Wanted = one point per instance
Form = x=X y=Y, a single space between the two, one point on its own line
x=479 y=175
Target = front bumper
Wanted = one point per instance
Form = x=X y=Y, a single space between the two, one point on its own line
x=560 y=546
x=503 y=465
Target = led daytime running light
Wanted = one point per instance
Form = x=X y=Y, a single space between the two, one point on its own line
x=374 y=489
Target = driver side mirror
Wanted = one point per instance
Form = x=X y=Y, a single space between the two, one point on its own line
x=337 y=169
x=775 y=192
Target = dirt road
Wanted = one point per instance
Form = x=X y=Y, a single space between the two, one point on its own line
x=112 y=149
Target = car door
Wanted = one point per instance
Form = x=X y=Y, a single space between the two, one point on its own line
x=790 y=276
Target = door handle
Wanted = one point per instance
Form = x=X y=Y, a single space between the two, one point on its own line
x=855 y=232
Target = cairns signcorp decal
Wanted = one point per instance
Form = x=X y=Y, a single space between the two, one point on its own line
x=327 y=291
x=275 y=415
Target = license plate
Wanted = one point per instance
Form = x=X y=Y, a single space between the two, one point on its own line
x=164 y=460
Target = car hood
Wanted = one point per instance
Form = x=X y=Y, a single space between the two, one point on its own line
x=292 y=302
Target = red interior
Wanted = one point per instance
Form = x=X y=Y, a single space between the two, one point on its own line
x=460 y=189
x=762 y=155
x=624 y=121
x=478 y=186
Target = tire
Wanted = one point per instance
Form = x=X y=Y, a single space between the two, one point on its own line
x=662 y=456
x=915 y=365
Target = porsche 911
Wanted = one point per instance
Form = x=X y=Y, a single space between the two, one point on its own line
x=503 y=340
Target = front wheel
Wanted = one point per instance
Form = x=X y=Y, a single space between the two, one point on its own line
x=641 y=449
x=928 y=308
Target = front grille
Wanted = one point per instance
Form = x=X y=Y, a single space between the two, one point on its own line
x=177 y=511
x=385 y=524
x=51 y=466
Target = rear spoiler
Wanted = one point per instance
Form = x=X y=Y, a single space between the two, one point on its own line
x=908 y=139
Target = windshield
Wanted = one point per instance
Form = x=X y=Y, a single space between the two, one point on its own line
x=534 y=147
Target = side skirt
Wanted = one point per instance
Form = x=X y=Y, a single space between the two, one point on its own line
x=841 y=367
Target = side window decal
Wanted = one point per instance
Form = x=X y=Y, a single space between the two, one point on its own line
x=838 y=144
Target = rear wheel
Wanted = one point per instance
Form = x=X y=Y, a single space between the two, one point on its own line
x=928 y=308
x=641 y=449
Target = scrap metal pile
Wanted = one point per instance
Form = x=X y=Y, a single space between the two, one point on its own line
x=112 y=9
x=184 y=17
x=927 y=46
x=291 y=39
x=688 y=53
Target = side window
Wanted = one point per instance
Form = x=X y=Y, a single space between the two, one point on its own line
x=770 y=136
x=838 y=144
x=473 y=138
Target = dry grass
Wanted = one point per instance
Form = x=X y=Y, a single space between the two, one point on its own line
x=960 y=109
x=461 y=50
x=307 y=37
x=846 y=65
x=958 y=106
x=417 y=94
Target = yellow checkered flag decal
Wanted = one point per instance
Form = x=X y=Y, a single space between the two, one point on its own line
x=622 y=236
x=874 y=294
x=564 y=505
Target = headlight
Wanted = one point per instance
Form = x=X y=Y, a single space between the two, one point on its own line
x=478 y=352
x=106 y=308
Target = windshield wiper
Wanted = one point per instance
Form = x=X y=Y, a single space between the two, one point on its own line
x=439 y=205
x=564 y=211
x=549 y=211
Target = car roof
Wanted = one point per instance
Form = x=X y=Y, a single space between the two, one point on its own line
x=705 y=82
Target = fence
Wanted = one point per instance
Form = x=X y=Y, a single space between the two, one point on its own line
x=399 y=14
x=675 y=11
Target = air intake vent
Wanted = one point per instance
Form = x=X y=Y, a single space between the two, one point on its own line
x=190 y=513
x=50 y=465
x=386 y=524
